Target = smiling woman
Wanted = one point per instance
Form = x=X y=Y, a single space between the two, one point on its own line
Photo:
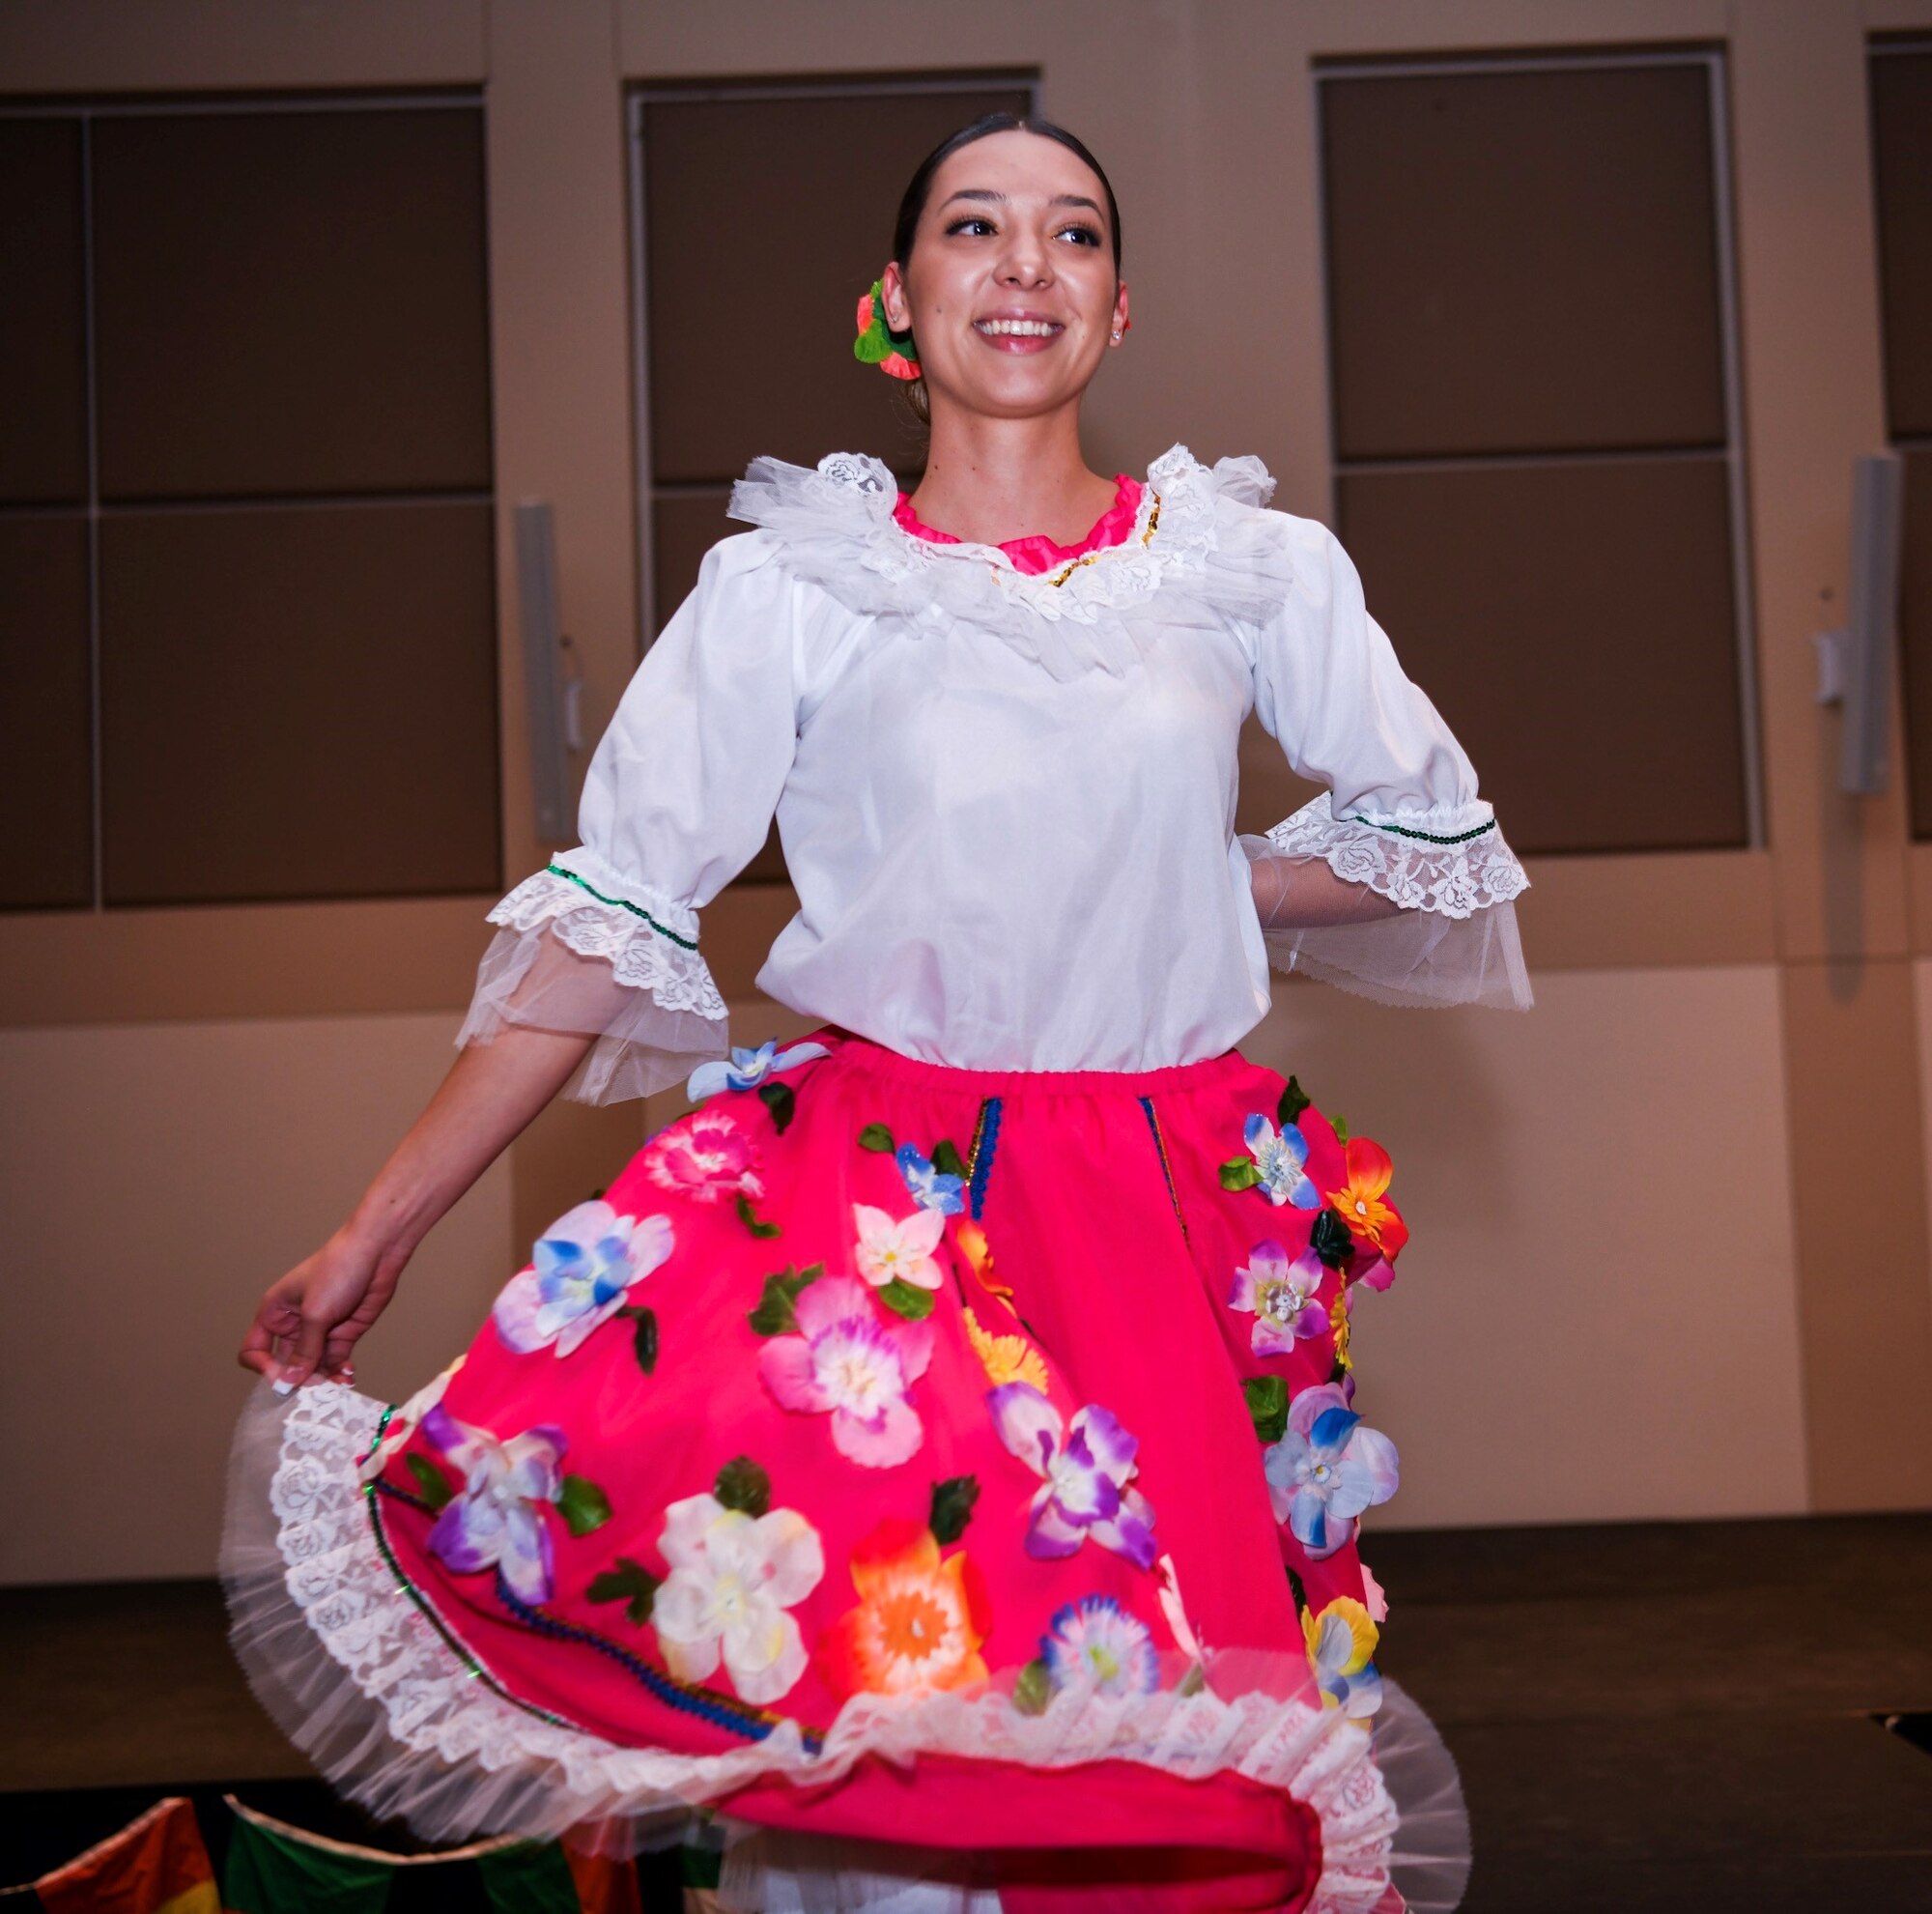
x=946 y=1436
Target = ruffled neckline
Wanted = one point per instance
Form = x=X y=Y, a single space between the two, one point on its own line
x=1036 y=553
x=1198 y=551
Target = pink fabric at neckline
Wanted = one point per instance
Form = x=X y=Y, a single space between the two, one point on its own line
x=1037 y=553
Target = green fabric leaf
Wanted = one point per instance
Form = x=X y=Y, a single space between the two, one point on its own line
x=532 y=1877
x=1294 y=1100
x=774 y=1315
x=1298 y=1590
x=1033 y=1689
x=582 y=1504
x=1339 y=1371
x=631 y=1583
x=777 y=1097
x=1268 y=1406
x=750 y=1218
x=876 y=1137
x=1341 y=1131
x=1192 y=1682
x=1331 y=1242
x=431 y=1482
x=742 y=1484
x=947 y=1159
x=953 y=1507
x=907 y=1299
x=1240 y=1173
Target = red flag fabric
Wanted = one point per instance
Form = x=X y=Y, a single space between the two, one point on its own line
x=156 y=1865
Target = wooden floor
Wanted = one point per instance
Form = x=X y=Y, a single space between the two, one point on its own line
x=1659 y=1717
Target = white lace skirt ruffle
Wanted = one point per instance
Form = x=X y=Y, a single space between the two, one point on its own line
x=368 y=1682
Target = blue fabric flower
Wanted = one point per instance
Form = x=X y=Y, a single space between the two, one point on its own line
x=1279 y=1157
x=748 y=1068
x=930 y=1188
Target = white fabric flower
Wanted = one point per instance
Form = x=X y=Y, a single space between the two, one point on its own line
x=733 y=1578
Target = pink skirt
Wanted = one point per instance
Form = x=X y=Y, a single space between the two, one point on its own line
x=966 y=1461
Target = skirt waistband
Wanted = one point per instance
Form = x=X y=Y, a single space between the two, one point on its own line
x=876 y=1059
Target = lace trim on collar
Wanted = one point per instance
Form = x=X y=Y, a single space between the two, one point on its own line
x=1194 y=533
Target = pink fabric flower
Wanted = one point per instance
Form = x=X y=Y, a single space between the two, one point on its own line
x=706 y=1157
x=898 y=1249
x=849 y=1362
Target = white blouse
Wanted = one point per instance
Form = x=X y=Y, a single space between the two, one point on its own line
x=1006 y=802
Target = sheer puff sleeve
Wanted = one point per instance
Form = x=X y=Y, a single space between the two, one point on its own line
x=1415 y=904
x=678 y=798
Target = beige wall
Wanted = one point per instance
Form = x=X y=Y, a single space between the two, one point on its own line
x=1672 y=1250
x=155 y=1178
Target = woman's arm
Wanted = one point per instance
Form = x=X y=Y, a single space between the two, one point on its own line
x=309 y=1321
x=1300 y=893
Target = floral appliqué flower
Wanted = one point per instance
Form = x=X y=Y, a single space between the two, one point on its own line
x=495 y=1520
x=580 y=1273
x=402 y=1425
x=1087 y=1466
x=749 y=1068
x=898 y=1249
x=1362 y=1201
x=1327 y=1467
x=706 y=1156
x=1279 y=1157
x=845 y=1360
x=1280 y=1295
x=1094 y=1646
x=1341 y=1645
x=1007 y=1359
x=930 y=1188
x=920 y=1624
x=733 y=1578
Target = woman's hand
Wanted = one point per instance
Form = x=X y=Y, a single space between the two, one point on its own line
x=308 y=1323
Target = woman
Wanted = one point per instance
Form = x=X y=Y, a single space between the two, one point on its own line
x=908 y=1446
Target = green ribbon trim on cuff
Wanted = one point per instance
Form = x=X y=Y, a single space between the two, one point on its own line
x=1424 y=837
x=624 y=904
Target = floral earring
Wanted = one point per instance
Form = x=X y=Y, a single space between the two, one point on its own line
x=877 y=344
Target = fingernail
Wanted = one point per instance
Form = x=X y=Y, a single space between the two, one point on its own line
x=282 y=1386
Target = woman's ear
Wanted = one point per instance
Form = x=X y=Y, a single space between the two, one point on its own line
x=1122 y=325
x=898 y=308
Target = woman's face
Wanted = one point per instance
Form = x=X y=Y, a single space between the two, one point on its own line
x=1010 y=291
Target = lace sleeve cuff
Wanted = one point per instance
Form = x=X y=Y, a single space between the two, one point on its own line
x=1453 y=939
x=571 y=958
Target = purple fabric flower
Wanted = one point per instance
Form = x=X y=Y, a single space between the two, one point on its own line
x=1086 y=1467
x=1280 y=1295
x=1327 y=1470
x=928 y=1187
x=495 y=1520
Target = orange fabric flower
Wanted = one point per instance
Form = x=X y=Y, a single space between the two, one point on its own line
x=1362 y=1204
x=920 y=1622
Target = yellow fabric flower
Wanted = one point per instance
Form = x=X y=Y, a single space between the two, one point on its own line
x=1005 y=1359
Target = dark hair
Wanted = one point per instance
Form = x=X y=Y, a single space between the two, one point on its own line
x=920 y=190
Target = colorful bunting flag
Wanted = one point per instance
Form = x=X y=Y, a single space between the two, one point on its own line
x=156 y=1865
